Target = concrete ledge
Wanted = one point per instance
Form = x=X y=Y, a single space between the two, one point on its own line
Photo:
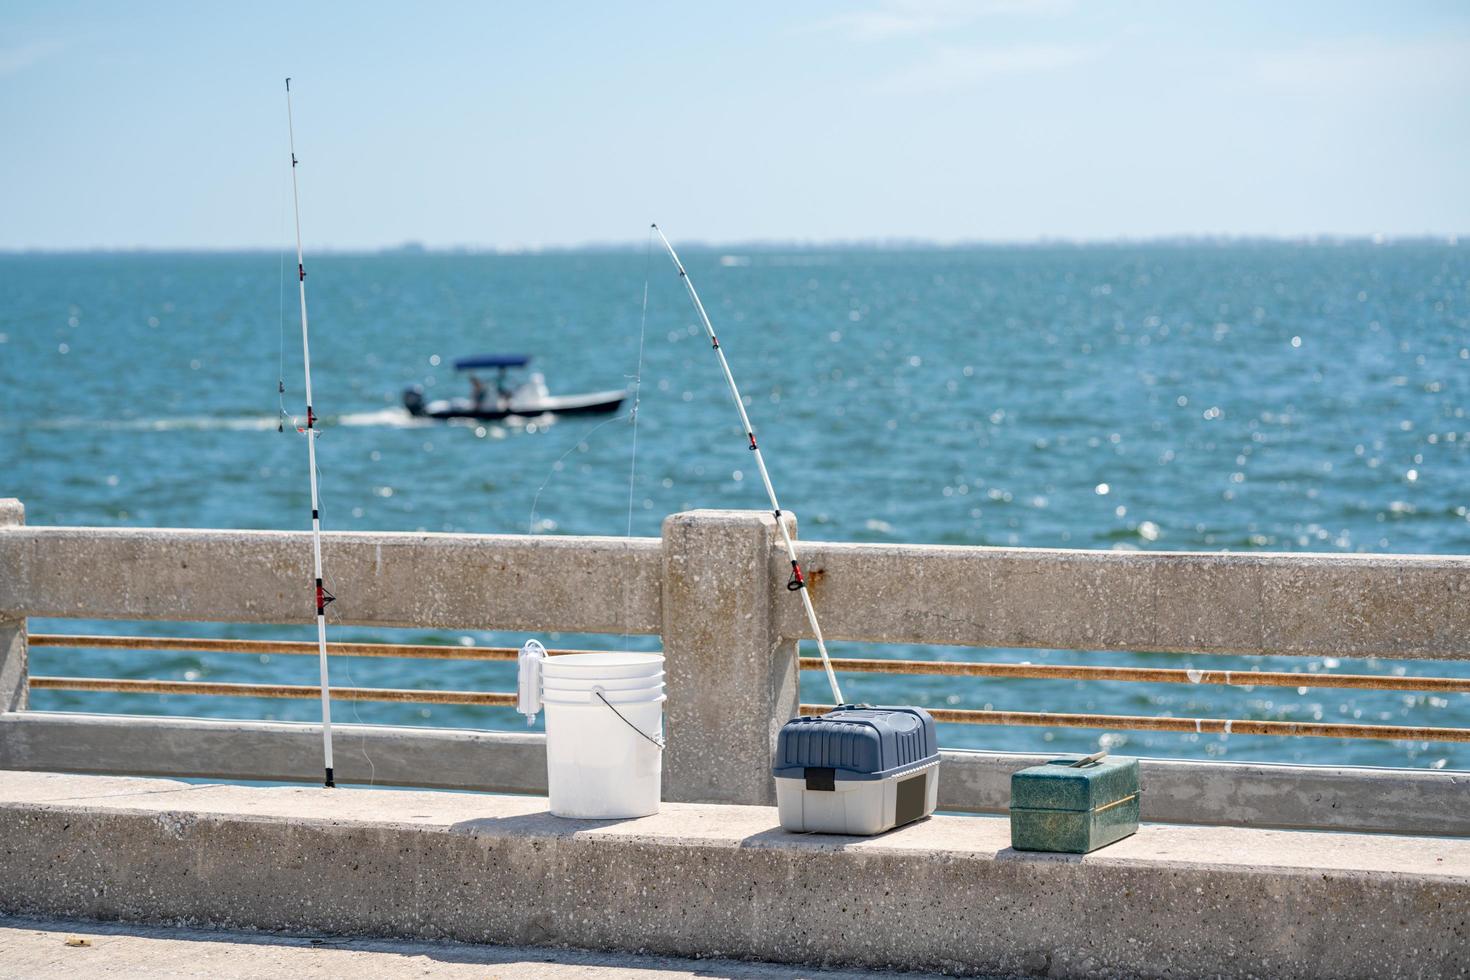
x=1176 y=602
x=450 y=581
x=1407 y=606
x=1396 y=801
x=1245 y=794
x=272 y=751
x=722 y=880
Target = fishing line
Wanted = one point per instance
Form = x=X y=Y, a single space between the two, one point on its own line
x=282 y=415
x=637 y=401
x=581 y=439
x=352 y=682
x=638 y=376
x=337 y=620
x=323 y=597
x=631 y=416
x=798 y=581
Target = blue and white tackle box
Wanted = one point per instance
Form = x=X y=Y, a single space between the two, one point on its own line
x=856 y=770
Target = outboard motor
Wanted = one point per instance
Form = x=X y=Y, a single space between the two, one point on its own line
x=413 y=400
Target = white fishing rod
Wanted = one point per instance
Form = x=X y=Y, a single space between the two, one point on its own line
x=798 y=581
x=322 y=595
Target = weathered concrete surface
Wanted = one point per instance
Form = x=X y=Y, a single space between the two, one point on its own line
x=1246 y=794
x=1402 y=801
x=33 y=948
x=732 y=680
x=714 y=586
x=438 y=758
x=947 y=893
x=1291 y=604
x=450 y=581
x=14 y=692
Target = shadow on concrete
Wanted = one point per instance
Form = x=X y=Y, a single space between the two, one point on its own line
x=142 y=950
x=779 y=837
x=1037 y=857
x=542 y=824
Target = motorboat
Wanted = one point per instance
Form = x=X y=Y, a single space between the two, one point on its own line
x=527 y=399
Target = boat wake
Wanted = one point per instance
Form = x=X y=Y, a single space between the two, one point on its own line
x=250 y=424
x=387 y=418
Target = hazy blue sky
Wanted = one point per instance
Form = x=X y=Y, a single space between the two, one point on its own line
x=515 y=124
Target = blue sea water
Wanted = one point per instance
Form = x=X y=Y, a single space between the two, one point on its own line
x=1272 y=396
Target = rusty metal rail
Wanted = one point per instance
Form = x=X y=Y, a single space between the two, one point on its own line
x=1156 y=675
x=1202 y=726
x=419 y=651
x=941 y=668
x=294 y=691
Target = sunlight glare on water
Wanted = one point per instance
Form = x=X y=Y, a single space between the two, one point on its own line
x=1276 y=397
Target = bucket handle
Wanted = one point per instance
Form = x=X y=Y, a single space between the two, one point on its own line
x=655 y=739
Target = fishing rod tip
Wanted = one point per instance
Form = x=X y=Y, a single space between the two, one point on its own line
x=288 y=83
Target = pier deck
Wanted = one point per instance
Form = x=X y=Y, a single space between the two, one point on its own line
x=37 y=949
x=724 y=881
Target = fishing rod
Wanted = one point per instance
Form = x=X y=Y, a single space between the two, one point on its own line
x=322 y=595
x=798 y=581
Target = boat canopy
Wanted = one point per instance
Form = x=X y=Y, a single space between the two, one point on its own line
x=492 y=361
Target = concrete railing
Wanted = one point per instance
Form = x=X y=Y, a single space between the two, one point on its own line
x=948 y=893
x=713 y=588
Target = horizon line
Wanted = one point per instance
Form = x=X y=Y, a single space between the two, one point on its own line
x=875 y=243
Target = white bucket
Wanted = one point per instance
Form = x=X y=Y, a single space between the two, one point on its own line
x=553 y=695
x=602 y=665
x=604 y=731
x=597 y=765
x=608 y=684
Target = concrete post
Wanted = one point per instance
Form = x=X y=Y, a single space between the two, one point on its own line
x=14 y=687
x=731 y=679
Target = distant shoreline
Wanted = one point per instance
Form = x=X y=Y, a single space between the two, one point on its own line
x=756 y=246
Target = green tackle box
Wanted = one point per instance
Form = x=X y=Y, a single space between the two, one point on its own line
x=1074 y=806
